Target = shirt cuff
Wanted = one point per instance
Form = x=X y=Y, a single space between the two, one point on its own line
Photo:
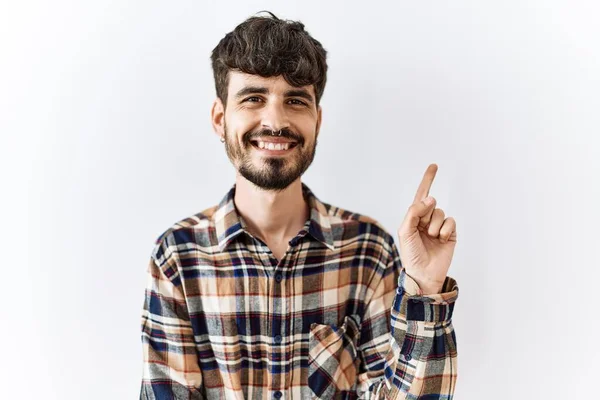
x=430 y=308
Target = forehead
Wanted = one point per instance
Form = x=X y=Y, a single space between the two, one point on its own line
x=275 y=84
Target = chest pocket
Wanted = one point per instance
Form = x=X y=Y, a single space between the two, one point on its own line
x=332 y=358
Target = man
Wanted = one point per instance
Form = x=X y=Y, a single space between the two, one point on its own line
x=275 y=294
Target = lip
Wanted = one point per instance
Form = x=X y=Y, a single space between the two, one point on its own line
x=274 y=152
x=273 y=140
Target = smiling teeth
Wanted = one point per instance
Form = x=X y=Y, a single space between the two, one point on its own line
x=273 y=146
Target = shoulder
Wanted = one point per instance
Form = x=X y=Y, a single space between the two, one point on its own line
x=350 y=226
x=197 y=228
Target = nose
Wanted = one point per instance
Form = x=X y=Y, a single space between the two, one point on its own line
x=275 y=117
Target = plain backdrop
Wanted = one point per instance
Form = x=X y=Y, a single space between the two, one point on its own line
x=106 y=141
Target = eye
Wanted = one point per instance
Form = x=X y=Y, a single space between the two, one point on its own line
x=297 y=102
x=253 y=99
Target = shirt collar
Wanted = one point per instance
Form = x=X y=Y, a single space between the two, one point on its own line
x=229 y=224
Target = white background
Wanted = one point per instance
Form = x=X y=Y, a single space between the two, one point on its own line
x=106 y=141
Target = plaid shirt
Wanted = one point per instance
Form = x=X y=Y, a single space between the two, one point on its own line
x=336 y=317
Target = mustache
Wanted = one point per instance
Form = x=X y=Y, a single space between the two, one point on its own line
x=265 y=133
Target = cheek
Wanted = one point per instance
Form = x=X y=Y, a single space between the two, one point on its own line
x=241 y=123
x=307 y=123
x=308 y=131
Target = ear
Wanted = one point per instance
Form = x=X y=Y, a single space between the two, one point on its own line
x=319 y=114
x=217 y=116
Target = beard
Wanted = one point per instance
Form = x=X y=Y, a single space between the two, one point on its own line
x=272 y=173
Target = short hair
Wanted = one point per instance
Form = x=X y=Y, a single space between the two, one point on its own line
x=269 y=46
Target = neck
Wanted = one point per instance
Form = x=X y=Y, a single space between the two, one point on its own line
x=272 y=216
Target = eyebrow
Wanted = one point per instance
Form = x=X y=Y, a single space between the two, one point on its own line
x=251 y=90
x=299 y=93
x=263 y=90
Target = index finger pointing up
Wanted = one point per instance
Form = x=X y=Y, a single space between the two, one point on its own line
x=426 y=182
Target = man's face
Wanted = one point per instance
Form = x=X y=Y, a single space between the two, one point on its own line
x=270 y=128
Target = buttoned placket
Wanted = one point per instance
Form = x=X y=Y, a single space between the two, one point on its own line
x=280 y=326
x=279 y=300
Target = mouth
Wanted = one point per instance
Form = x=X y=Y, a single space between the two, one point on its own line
x=273 y=148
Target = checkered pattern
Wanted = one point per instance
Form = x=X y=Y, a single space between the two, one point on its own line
x=336 y=317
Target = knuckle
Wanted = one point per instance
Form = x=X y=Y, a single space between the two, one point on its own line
x=433 y=201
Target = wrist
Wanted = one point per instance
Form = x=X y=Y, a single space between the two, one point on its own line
x=426 y=290
x=428 y=286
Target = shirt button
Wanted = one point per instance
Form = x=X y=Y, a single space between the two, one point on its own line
x=277 y=394
x=407 y=357
x=278 y=339
x=278 y=277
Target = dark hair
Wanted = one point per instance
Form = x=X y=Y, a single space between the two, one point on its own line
x=269 y=46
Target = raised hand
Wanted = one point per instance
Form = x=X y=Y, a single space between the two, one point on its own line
x=427 y=239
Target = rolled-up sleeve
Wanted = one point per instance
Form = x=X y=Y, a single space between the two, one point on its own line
x=418 y=358
x=424 y=362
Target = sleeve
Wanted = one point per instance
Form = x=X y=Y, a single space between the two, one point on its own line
x=411 y=355
x=170 y=359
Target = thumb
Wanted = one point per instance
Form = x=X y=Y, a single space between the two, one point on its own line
x=415 y=212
